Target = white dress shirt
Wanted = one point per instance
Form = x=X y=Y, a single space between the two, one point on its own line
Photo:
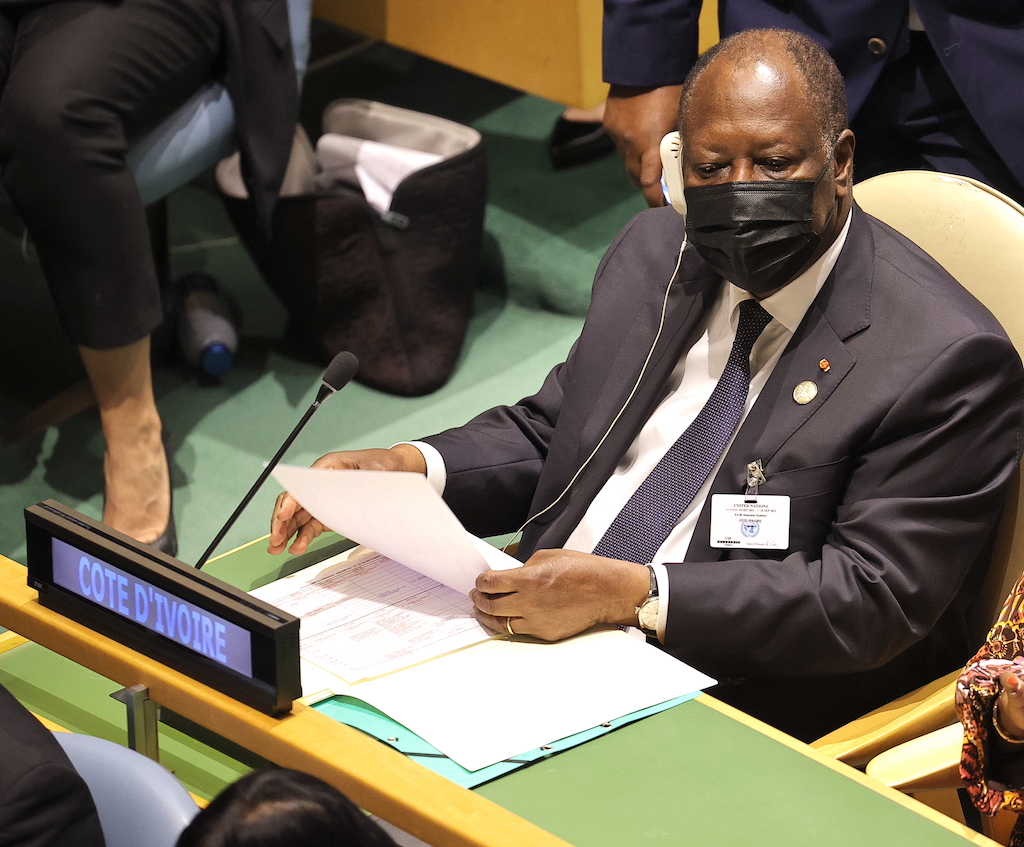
x=686 y=392
x=914 y=21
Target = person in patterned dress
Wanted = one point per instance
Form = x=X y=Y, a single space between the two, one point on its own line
x=990 y=703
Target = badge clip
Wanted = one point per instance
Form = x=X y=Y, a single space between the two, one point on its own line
x=755 y=477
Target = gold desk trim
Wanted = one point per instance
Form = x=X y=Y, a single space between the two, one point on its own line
x=379 y=779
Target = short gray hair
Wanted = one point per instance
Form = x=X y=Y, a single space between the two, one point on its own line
x=823 y=84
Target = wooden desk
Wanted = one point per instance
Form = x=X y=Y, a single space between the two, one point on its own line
x=700 y=773
x=378 y=778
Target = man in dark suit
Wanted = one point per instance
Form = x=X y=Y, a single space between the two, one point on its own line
x=43 y=800
x=877 y=431
x=929 y=83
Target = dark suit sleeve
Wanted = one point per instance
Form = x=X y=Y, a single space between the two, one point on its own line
x=916 y=505
x=49 y=806
x=260 y=76
x=494 y=461
x=43 y=800
x=649 y=42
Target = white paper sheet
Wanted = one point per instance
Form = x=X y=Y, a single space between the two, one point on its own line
x=398 y=515
x=500 y=698
x=380 y=167
x=364 y=615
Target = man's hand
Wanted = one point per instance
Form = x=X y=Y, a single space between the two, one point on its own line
x=290 y=518
x=1011 y=705
x=559 y=593
x=637 y=119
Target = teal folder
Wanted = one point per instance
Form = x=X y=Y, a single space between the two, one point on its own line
x=364 y=717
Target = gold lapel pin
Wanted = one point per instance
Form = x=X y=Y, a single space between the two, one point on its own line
x=824 y=365
x=805 y=392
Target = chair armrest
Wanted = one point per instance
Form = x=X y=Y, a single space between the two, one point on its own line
x=906 y=718
x=926 y=763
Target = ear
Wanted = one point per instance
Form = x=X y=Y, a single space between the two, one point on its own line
x=845 y=145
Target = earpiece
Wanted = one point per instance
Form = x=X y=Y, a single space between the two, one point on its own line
x=672 y=171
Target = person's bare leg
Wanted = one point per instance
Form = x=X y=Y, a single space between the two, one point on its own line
x=134 y=465
x=594 y=115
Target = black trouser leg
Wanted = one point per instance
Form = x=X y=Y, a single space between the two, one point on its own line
x=914 y=118
x=86 y=78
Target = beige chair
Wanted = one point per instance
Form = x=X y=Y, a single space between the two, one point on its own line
x=977 y=234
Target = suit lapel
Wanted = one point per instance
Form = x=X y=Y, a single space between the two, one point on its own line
x=688 y=303
x=841 y=309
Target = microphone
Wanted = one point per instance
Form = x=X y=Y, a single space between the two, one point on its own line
x=341 y=369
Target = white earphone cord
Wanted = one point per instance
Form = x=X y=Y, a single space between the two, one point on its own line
x=615 y=420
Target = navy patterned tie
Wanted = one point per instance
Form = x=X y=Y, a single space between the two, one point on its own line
x=655 y=507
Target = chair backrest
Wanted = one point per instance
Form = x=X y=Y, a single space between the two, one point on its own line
x=140 y=803
x=200 y=133
x=977 y=234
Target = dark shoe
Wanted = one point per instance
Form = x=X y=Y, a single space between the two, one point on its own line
x=576 y=142
x=167 y=542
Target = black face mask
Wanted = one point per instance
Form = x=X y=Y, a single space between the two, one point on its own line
x=758 y=235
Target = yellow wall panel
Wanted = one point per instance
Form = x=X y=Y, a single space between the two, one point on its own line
x=708 y=25
x=550 y=48
x=533 y=45
x=366 y=16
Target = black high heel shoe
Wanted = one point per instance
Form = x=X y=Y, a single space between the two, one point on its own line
x=167 y=541
x=577 y=142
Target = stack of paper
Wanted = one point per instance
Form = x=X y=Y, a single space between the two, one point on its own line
x=366 y=615
x=477 y=698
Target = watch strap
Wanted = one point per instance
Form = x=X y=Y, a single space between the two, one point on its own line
x=651 y=601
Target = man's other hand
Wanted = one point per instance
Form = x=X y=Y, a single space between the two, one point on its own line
x=559 y=593
x=289 y=518
x=637 y=119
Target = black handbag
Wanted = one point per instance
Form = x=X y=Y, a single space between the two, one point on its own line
x=393 y=287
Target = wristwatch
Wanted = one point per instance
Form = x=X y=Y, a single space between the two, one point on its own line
x=647 y=612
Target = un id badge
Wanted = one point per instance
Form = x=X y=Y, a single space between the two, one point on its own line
x=750 y=523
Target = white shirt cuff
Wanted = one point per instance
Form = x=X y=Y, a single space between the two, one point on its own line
x=437 y=474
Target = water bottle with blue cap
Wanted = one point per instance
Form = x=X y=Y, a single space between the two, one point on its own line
x=206 y=325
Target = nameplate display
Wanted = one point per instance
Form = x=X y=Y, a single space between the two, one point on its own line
x=189 y=620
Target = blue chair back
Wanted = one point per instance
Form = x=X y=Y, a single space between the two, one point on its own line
x=199 y=134
x=140 y=803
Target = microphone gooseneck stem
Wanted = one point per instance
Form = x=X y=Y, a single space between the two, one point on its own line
x=263 y=478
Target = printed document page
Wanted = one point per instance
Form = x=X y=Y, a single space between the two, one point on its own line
x=364 y=615
x=399 y=515
x=500 y=698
